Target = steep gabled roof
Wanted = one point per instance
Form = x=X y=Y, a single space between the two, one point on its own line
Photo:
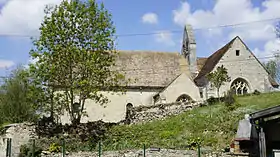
x=200 y=62
x=213 y=60
x=148 y=68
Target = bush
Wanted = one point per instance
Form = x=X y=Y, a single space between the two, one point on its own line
x=54 y=148
x=212 y=100
x=256 y=92
x=229 y=98
x=15 y=89
x=230 y=101
x=193 y=142
x=26 y=151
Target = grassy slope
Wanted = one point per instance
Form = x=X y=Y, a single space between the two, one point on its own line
x=214 y=125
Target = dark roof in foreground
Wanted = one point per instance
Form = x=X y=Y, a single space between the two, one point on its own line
x=268 y=112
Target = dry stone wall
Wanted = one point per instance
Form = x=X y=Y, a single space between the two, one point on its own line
x=131 y=153
x=20 y=135
x=142 y=114
x=148 y=153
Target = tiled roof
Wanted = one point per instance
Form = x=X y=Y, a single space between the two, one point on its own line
x=200 y=62
x=210 y=63
x=148 y=68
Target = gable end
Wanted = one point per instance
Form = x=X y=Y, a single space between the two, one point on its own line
x=213 y=60
x=210 y=63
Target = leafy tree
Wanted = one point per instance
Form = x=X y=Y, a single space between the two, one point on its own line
x=273 y=67
x=17 y=100
x=75 y=55
x=218 y=78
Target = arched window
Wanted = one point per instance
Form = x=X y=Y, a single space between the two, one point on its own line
x=184 y=98
x=129 y=105
x=129 y=113
x=240 y=86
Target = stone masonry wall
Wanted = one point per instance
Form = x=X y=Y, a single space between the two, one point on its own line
x=148 y=153
x=243 y=66
x=20 y=135
x=142 y=114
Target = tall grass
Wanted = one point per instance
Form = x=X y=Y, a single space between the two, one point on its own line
x=214 y=126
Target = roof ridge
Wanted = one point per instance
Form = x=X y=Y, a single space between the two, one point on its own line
x=145 y=51
x=213 y=60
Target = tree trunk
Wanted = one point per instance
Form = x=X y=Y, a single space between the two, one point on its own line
x=52 y=107
x=76 y=121
x=218 y=93
x=79 y=113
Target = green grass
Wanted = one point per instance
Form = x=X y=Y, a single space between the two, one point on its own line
x=214 y=125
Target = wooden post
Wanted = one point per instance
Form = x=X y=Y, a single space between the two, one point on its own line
x=262 y=145
x=144 y=149
x=198 y=151
x=99 y=149
x=7 y=147
x=33 y=147
x=63 y=147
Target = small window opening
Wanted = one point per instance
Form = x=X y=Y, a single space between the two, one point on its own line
x=237 y=52
x=201 y=94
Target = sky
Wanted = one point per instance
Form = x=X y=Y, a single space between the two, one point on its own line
x=215 y=23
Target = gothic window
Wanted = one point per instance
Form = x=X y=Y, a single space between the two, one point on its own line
x=184 y=98
x=129 y=106
x=240 y=86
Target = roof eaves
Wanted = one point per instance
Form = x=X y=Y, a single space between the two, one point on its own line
x=213 y=60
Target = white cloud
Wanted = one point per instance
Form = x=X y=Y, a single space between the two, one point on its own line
x=6 y=63
x=255 y=32
x=150 y=18
x=227 y=12
x=165 y=37
x=23 y=16
x=270 y=48
x=232 y=12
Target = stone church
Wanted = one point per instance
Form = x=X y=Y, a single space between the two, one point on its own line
x=165 y=77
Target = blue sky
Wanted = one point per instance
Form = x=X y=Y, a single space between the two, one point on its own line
x=23 y=17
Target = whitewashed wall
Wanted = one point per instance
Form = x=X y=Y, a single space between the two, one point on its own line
x=244 y=66
x=115 y=110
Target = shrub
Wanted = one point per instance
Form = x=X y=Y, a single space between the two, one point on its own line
x=212 y=100
x=230 y=101
x=193 y=142
x=54 y=148
x=26 y=151
x=256 y=92
x=229 y=98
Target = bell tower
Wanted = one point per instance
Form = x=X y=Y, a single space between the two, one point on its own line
x=189 y=48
